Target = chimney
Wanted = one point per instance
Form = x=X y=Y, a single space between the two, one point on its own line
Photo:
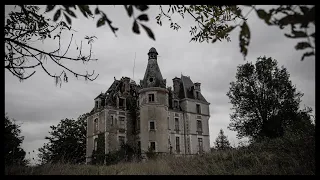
x=176 y=85
x=197 y=86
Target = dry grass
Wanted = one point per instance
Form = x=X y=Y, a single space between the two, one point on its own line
x=269 y=158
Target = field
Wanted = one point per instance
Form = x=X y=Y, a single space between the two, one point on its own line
x=274 y=157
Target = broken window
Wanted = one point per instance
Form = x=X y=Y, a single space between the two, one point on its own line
x=152 y=125
x=121 y=103
x=122 y=122
x=176 y=123
x=199 y=126
x=198 y=109
x=153 y=146
x=111 y=119
x=95 y=125
x=176 y=104
x=197 y=95
x=151 y=97
x=177 y=144
x=121 y=140
x=200 y=144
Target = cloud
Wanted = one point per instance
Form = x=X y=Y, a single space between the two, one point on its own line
x=38 y=103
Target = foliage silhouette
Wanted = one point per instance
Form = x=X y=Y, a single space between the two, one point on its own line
x=67 y=142
x=214 y=22
x=13 y=153
x=265 y=103
x=222 y=142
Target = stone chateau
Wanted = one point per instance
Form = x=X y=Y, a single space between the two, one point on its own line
x=150 y=116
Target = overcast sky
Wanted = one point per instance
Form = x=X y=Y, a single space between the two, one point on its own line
x=37 y=103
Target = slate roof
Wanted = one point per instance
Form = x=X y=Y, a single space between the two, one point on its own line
x=186 y=89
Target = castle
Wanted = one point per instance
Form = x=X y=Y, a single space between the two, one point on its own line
x=150 y=116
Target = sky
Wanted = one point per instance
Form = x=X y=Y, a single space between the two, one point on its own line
x=37 y=103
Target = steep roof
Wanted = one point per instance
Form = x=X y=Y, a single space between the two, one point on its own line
x=186 y=90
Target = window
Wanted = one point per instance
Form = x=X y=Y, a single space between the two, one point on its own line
x=122 y=122
x=176 y=104
x=121 y=140
x=153 y=146
x=103 y=102
x=198 y=109
x=138 y=124
x=139 y=145
x=200 y=144
x=177 y=144
x=111 y=120
x=121 y=103
x=137 y=103
x=199 y=126
x=95 y=145
x=169 y=123
x=176 y=123
x=151 y=125
x=96 y=104
x=95 y=124
x=197 y=95
x=151 y=97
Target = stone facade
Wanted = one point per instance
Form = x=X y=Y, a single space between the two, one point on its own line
x=151 y=115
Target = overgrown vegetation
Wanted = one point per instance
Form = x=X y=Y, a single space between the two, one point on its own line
x=288 y=155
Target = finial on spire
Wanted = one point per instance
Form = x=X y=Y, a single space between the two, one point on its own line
x=152 y=53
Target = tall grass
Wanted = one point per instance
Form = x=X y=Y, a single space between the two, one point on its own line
x=282 y=156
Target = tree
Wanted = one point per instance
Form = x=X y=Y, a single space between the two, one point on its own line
x=26 y=27
x=214 y=22
x=13 y=153
x=67 y=142
x=265 y=103
x=222 y=142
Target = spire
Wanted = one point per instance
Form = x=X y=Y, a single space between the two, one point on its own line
x=153 y=76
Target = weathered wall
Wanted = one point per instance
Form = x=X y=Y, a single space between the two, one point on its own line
x=156 y=111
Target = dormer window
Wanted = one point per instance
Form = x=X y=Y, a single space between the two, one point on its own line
x=176 y=104
x=151 y=97
x=121 y=102
x=197 y=95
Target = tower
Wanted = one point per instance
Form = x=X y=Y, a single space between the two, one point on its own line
x=153 y=98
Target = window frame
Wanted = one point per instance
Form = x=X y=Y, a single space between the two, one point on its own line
x=154 y=125
x=198 y=110
x=152 y=97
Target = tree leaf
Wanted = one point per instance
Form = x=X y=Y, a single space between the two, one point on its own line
x=50 y=8
x=67 y=18
x=142 y=7
x=71 y=13
x=101 y=22
x=302 y=45
x=244 y=39
x=85 y=10
x=57 y=15
x=143 y=17
x=129 y=10
x=306 y=55
x=97 y=11
x=149 y=32
x=135 y=27
x=297 y=34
